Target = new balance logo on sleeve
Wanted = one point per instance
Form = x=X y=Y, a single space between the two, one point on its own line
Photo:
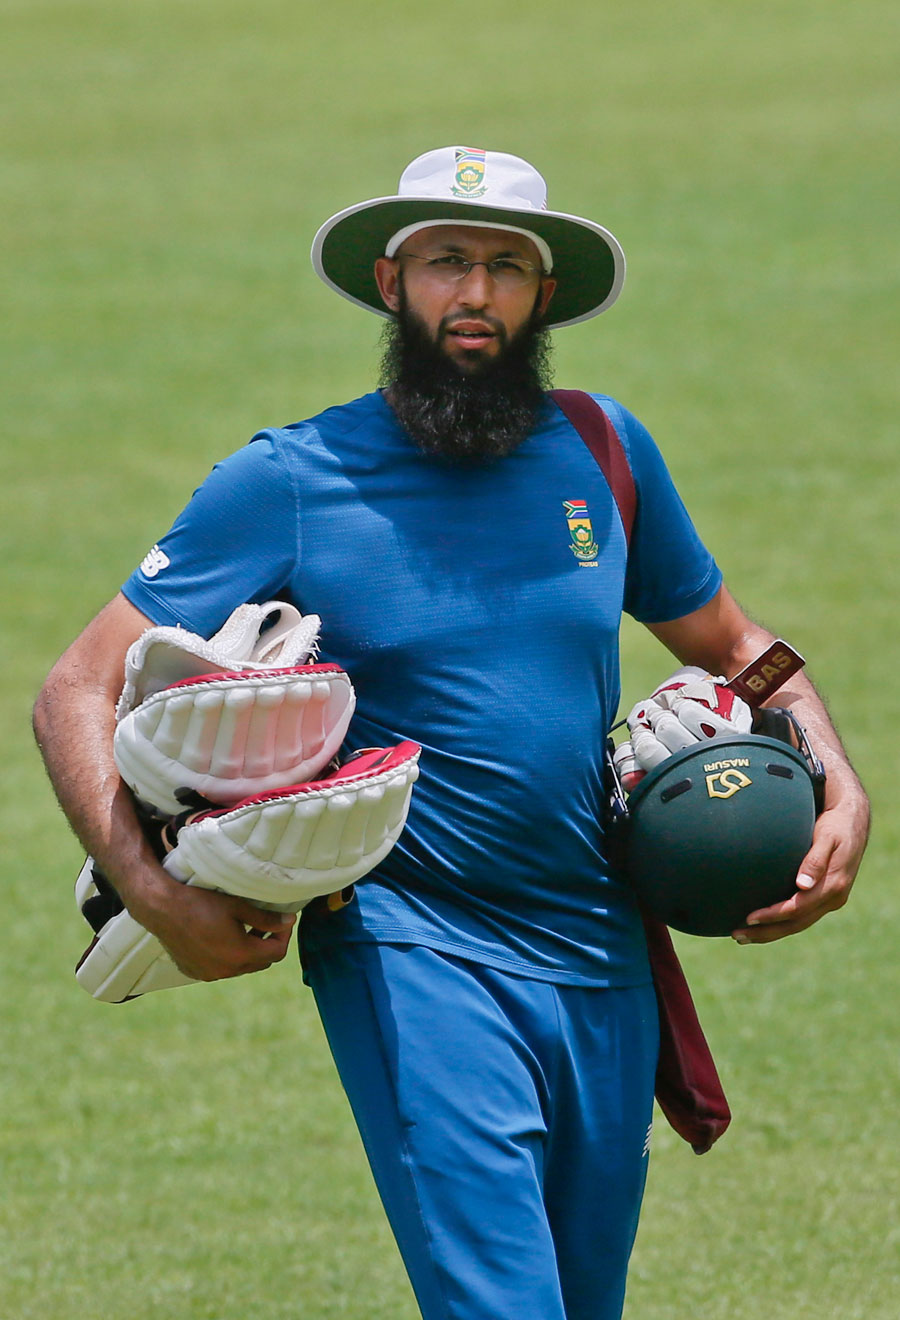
x=154 y=562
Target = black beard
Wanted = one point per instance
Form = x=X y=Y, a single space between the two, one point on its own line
x=465 y=417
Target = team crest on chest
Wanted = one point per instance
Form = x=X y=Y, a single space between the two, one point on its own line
x=582 y=543
x=469 y=180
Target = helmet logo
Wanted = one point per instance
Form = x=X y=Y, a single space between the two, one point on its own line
x=469 y=181
x=726 y=783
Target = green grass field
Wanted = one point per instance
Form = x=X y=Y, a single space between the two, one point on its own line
x=164 y=167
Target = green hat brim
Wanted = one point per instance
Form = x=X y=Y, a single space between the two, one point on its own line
x=588 y=262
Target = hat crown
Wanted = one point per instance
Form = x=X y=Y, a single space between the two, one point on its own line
x=472 y=174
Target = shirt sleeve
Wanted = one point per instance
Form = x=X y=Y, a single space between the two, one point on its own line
x=670 y=571
x=236 y=541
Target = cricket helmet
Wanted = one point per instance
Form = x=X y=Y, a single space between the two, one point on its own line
x=719 y=829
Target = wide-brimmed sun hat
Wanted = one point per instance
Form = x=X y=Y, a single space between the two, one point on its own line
x=469 y=186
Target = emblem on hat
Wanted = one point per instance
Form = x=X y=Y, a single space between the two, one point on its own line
x=469 y=173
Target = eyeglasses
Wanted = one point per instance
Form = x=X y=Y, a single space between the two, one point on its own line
x=507 y=272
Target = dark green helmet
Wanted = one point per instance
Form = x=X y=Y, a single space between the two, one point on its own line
x=720 y=829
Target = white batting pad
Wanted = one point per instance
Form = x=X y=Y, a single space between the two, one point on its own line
x=123 y=960
x=282 y=849
x=279 y=850
x=230 y=735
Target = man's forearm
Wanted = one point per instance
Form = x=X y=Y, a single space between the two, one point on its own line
x=801 y=698
x=74 y=730
x=205 y=932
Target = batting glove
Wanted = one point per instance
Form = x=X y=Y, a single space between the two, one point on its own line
x=687 y=708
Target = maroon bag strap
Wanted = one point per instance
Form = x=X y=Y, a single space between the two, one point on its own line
x=688 y=1088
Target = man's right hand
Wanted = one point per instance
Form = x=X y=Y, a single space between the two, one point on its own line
x=209 y=935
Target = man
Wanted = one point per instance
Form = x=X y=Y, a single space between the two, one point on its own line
x=486 y=995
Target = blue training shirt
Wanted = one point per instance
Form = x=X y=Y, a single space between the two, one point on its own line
x=477 y=612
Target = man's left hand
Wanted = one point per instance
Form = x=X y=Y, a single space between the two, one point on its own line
x=827 y=871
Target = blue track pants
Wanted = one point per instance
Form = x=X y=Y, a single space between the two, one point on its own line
x=506 y=1122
